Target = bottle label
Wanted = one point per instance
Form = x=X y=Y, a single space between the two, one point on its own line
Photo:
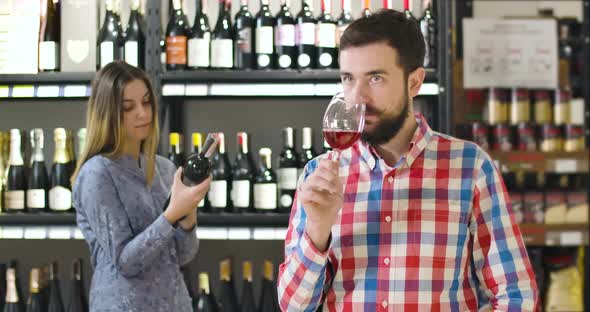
x=241 y=193
x=287 y=178
x=222 y=53
x=305 y=34
x=176 y=50
x=286 y=200
x=48 y=55
x=36 y=199
x=265 y=196
x=107 y=53
x=244 y=40
x=340 y=30
x=60 y=198
x=14 y=200
x=285 y=35
x=199 y=51
x=218 y=194
x=131 y=53
x=264 y=40
x=326 y=36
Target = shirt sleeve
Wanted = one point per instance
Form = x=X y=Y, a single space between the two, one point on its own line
x=499 y=254
x=98 y=200
x=303 y=274
x=187 y=244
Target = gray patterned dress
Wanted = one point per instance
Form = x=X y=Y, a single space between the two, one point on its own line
x=136 y=253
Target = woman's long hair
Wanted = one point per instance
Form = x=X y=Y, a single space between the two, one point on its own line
x=104 y=117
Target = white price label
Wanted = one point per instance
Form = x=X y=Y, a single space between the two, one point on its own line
x=566 y=165
x=571 y=238
x=23 y=91
x=35 y=233
x=75 y=91
x=48 y=91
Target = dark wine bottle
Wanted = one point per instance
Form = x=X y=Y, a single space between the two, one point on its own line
x=197 y=149
x=228 y=297
x=135 y=38
x=408 y=9
x=288 y=165
x=248 y=304
x=307 y=151
x=60 y=188
x=2 y=286
x=264 y=37
x=3 y=165
x=244 y=23
x=16 y=182
x=77 y=298
x=326 y=38
x=222 y=42
x=199 y=46
x=19 y=290
x=243 y=176
x=110 y=37
x=305 y=37
x=55 y=301
x=206 y=302
x=175 y=153
x=38 y=182
x=265 y=184
x=35 y=301
x=177 y=34
x=71 y=165
x=367 y=8
x=44 y=286
x=286 y=51
x=13 y=303
x=219 y=191
x=49 y=37
x=268 y=297
x=428 y=28
x=344 y=20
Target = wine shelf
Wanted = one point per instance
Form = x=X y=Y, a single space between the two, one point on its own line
x=555 y=162
x=555 y=234
x=46 y=85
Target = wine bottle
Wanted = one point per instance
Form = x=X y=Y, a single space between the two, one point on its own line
x=71 y=165
x=285 y=37
x=387 y=4
x=244 y=23
x=135 y=38
x=81 y=142
x=175 y=153
x=16 y=182
x=2 y=285
x=326 y=52
x=206 y=302
x=110 y=37
x=35 y=301
x=176 y=39
x=367 y=9
x=222 y=43
x=38 y=181
x=305 y=37
x=19 y=290
x=13 y=303
x=3 y=163
x=248 y=304
x=307 y=151
x=288 y=165
x=55 y=303
x=408 y=9
x=77 y=298
x=44 y=286
x=49 y=37
x=428 y=28
x=60 y=188
x=219 y=190
x=228 y=297
x=199 y=46
x=344 y=20
x=197 y=148
x=243 y=176
x=268 y=299
x=264 y=37
x=265 y=184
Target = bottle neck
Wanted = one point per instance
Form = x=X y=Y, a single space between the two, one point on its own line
x=221 y=7
x=288 y=138
x=243 y=143
x=346 y=6
x=306 y=140
x=11 y=293
x=225 y=271
x=326 y=6
x=247 y=269
x=204 y=283
x=268 y=271
x=34 y=283
x=15 y=158
x=60 y=155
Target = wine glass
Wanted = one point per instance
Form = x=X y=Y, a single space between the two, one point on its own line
x=343 y=124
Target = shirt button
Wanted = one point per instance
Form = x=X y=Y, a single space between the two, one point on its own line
x=388 y=219
x=390 y=180
x=386 y=261
x=384 y=303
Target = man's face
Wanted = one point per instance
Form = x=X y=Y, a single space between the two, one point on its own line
x=371 y=75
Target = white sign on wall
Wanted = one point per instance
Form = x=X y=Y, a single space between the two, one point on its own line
x=510 y=53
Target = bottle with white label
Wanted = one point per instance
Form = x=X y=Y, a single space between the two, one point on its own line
x=344 y=20
x=307 y=151
x=326 y=52
x=242 y=177
x=16 y=181
x=38 y=181
x=60 y=189
x=49 y=37
x=220 y=189
x=222 y=43
x=110 y=37
x=199 y=45
x=243 y=27
x=197 y=148
x=264 y=37
x=135 y=38
x=305 y=36
x=288 y=169
x=265 y=184
x=285 y=38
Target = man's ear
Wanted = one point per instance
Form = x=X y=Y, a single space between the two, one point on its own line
x=415 y=80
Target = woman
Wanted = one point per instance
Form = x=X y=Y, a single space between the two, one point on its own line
x=120 y=187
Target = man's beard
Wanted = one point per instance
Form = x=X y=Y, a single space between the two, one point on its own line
x=387 y=126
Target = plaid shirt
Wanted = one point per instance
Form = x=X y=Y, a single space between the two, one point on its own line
x=425 y=235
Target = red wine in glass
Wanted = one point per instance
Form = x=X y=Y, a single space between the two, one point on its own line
x=343 y=124
x=341 y=139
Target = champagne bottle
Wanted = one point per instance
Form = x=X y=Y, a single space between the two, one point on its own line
x=244 y=24
x=268 y=298
x=285 y=37
x=305 y=36
x=3 y=162
x=60 y=188
x=49 y=37
x=19 y=290
x=243 y=176
x=206 y=302
x=135 y=38
x=288 y=165
x=326 y=52
x=265 y=185
x=16 y=182
x=307 y=151
x=71 y=165
x=264 y=37
x=222 y=43
x=199 y=46
x=2 y=286
x=177 y=34
x=77 y=299
x=228 y=298
x=219 y=191
x=110 y=37
x=175 y=154
x=35 y=301
x=38 y=181
x=13 y=303
x=81 y=142
x=55 y=301
x=248 y=304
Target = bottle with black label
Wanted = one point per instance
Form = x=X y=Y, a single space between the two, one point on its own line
x=222 y=43
x=49 y=37
x=288 y=167
x=285 y=38
x=38 y=181
x=135 y=38
x=326 y=52
x=265 y=184
x=243 y=176
x=264 y=37
x=244 y=25
x=305 y=36
x=219 y=190
x=60 y=188
x=110 y=37
x=16 y=181
x=199 y=46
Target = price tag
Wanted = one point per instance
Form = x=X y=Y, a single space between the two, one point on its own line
x=212 y=233
x=35 y=232
x=239 y=234
x=4 y=91
x=264 y=234
x=196 y=90
x=59 y=232
x=13 y=232
x=48 y=91
x=75 y=91
x=23 y=91
x=571 y=238
x=566 y=165
x=173 y=90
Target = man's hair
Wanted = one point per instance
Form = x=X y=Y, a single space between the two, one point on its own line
x=394 y=29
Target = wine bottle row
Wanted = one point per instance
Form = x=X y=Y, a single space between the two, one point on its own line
x=242 y=186
x=264 y=41
x=28 y=187
x=227 y=300
x=44 y=290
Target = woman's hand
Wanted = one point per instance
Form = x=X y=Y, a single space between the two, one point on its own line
x=184 y=199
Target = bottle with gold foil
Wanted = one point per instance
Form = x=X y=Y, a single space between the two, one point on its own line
x=248 y=303
x=81 y=142
x=228 y=297
x=35 y=301
x=16 y=179
x=60 y=189
x=520 y=107
x=13 y=303
x=70 y=150
x=574 y=138
x=496 y=111
x=206 y=302
x=268 y=297
x=175 y=154
x=543 y=113
x=561 y=109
